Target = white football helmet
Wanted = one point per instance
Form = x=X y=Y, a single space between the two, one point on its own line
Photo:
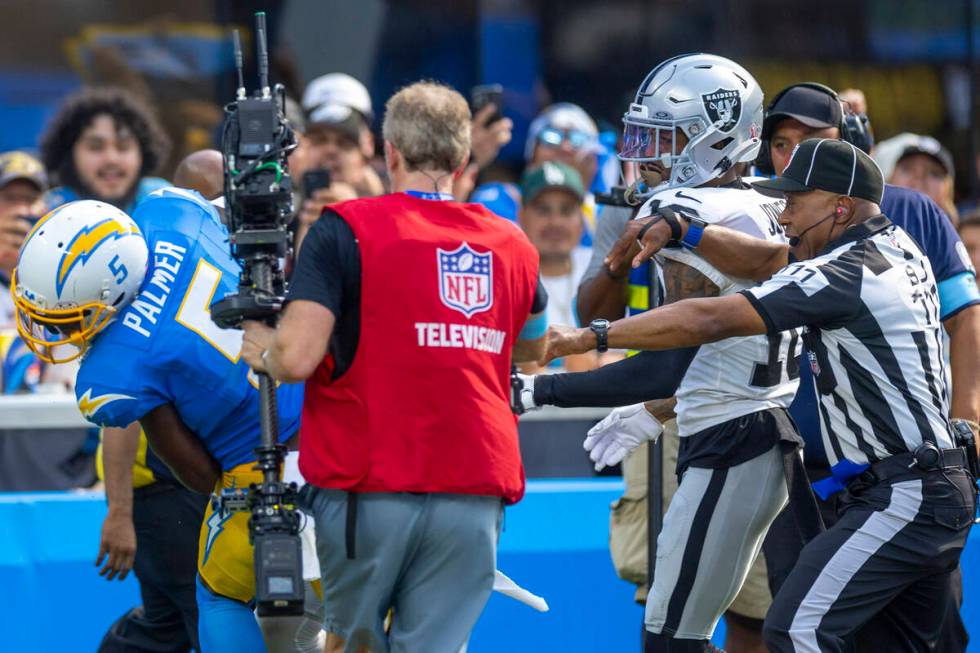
x=717 y=105
x=81 y=264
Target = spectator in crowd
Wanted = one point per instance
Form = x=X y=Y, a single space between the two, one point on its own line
x=203 y=171
x=104 y=144
x=338 y=138
x=856 y=102
x=22 y=183
x=970 y=235
x=920 y=163
x=551 y=216
x=564 y=132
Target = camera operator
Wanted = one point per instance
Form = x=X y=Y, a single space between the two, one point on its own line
x=410 y=447
x=337 y=138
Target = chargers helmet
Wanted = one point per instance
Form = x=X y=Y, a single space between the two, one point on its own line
x=80 y=264
x=715 y=102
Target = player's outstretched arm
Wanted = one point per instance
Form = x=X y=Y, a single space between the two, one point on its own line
x=734 y=254
x=180 y=449
x=685 y=324
x=117 y=545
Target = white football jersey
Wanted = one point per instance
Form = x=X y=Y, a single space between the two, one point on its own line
x=737 y=376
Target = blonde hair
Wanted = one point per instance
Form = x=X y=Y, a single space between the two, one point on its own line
x=429 y=124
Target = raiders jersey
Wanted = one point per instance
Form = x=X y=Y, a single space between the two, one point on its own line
x=737 y=376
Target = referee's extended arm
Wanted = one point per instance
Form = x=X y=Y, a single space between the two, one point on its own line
x=684 y=324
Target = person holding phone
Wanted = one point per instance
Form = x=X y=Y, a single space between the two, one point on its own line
x=22 y=184
x=339 y=146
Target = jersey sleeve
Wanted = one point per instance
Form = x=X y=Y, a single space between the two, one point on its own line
x=814 y=293
x=115 y=394
x=687 y=202
x=328 y=264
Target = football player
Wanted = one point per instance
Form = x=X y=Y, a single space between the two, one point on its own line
x=132 y=296
x=694 y=120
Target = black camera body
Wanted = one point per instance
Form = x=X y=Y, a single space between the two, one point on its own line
x=256 y=142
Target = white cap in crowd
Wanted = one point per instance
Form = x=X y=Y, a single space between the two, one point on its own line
x=332 y=97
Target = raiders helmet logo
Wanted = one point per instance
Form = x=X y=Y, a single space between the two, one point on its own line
x=724 y=106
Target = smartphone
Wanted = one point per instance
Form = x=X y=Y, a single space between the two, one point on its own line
x=481 y=96
x=314 y=180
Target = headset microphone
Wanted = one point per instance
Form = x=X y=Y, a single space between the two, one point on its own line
x=795 y=240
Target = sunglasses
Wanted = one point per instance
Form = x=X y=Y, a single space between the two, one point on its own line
x=555 y=137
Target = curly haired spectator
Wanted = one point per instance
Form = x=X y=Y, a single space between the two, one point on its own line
x=104 y=144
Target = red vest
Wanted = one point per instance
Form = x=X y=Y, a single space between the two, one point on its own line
x=425 y=406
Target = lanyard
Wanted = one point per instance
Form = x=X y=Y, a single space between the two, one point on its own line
x=444 y=197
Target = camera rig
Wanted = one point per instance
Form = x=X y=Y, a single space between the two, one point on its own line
x=255 y=142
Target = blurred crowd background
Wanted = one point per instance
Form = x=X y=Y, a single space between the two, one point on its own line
x=113 y=99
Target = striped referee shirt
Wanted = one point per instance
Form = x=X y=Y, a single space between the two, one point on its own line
x=870 y=312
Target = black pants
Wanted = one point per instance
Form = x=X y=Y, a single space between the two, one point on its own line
x=167 y=519
x=881 y=573
x=782 y=548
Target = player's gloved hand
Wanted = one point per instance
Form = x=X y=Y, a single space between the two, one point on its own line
x=527 y=392
x=623 y=430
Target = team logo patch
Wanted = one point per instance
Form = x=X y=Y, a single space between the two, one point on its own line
x=465 y=279
x=89 y=405
x=723 y=106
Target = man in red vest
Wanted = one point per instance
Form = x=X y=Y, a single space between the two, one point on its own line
x=405 y=312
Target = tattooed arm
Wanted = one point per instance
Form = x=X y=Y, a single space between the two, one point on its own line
x=681 y=281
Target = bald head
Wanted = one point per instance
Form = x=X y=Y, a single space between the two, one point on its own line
x=202 y=171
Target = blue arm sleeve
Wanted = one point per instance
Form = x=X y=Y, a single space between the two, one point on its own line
x=956 y=293
x=646 y=376
x=535 y=327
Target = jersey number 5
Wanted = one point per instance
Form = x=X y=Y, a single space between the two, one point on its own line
x=195 y=312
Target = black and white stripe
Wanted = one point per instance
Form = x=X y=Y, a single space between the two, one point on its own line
x=712 y=533
x=872 y=317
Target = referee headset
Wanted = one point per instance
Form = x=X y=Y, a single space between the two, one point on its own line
x=854 y=128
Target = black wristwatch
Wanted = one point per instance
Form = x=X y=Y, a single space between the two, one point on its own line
x=600 y=328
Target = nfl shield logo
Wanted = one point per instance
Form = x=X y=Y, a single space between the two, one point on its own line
x=466 y=279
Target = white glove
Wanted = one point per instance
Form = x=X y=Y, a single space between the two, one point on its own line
x=527 y=392
x=623 y=430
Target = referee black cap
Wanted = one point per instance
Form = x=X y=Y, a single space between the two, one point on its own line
x=831 y=165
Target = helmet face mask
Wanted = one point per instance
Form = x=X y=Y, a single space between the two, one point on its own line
x=712 y=101
x=80 y=265
x=58 y=335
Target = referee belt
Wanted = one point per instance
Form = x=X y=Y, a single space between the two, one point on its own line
x=905 y=464
x=846 y=472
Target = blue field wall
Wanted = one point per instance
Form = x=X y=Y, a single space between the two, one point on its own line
x=554 y=543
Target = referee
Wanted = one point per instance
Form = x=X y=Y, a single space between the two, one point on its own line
x=867 y=298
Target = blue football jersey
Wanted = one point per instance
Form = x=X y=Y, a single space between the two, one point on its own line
x=164 y=348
